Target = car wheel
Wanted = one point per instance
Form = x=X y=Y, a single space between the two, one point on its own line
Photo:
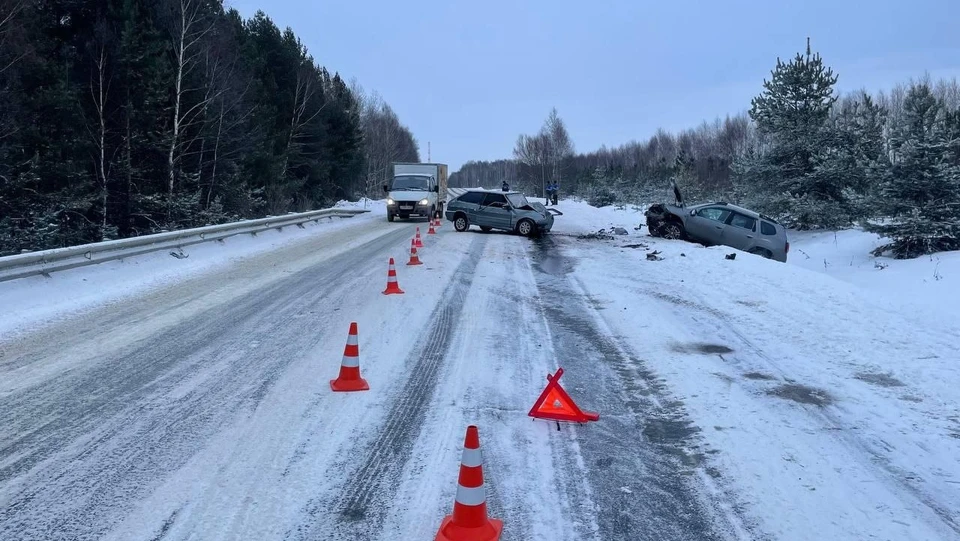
x=672 y=231
x=762 y=252
x=460 y=223
x=486 y=228
x=526 y=227
x=390 y=217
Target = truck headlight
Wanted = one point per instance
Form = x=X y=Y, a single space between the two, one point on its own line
x=424 y=202
x=391 y=201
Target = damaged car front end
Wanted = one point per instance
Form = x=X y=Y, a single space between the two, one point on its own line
x=663 y=220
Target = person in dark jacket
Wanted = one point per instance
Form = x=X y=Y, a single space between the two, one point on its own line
x=505 y=187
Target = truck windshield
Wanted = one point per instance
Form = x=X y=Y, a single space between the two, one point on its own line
x=411 y=182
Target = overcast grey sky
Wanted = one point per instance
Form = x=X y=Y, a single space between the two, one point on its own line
x=470 y=76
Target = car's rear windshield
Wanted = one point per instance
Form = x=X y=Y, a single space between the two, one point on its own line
x=471 y=197
x=517 y=200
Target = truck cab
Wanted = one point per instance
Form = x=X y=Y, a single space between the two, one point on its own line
x=416 y=190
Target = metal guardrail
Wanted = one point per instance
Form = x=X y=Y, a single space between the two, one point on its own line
x=455 y=192
x=58 y=259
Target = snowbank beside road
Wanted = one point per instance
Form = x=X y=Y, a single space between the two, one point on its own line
x=825 y=398
x=37 y=300
x=580 y=218
x=928 y=285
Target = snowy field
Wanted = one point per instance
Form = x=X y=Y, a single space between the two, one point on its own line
x=165 y=398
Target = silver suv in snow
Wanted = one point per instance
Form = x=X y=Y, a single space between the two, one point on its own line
x=509 y=211
x=720 y=224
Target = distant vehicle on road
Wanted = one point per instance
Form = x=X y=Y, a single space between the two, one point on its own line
x=719 y=223
x=507 y=211
x=417 y=189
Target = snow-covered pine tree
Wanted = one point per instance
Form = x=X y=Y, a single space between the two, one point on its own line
x=851 y=162
x=922 y=195
x=792 y=111
x=599 y=191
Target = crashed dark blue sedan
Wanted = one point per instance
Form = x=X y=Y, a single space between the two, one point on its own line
x=507 y=211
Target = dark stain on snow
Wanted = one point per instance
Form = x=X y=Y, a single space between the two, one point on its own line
x=165 y=527
x=669 y=430
x=758 y=375
x=549 y=260
x=880 y=379
x=802 y=394
x=723 y=377
x=702 y=348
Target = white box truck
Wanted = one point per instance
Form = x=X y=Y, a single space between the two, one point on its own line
x=417 y=189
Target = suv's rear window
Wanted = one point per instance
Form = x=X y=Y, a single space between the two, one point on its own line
x=767 y=228
x=471 y=197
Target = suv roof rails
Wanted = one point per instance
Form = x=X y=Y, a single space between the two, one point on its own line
x=769 y=219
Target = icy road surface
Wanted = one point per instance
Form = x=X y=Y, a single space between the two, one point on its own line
x=740 y=399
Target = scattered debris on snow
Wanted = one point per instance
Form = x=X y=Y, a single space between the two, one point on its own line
x=599 y=235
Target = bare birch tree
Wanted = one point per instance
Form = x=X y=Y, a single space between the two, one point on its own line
x=190 y=26
x=386 y=140
x=10 y=10
x=561 y=147
x=301 y=116
x=100 y=80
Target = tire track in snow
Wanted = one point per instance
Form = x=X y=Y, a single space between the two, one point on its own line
x=361 y=506
x=643 y=452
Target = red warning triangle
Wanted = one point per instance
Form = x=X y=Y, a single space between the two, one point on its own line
x=555 y=404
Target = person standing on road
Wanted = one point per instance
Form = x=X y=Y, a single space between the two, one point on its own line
x=549 y=192
x=554 y=189
x=505 y=187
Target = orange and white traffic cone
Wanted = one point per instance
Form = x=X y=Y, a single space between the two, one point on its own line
x=414 y=258
x=349 y=378
x=431 y=231
x=417 y=239
x=469 y=520
x=393 y=288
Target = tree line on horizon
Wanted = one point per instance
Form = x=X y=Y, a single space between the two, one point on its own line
x=802 y=153
x=121 y=118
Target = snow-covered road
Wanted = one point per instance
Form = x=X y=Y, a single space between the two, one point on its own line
x=739 y=399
